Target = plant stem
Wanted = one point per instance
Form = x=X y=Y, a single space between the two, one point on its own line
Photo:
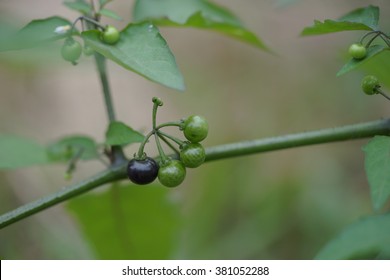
x=110 y=175
x=174 y=139
x=117 y=152
x=349 y=132
x=178 y=124
x=169 y=144
x=101 y=66
x=163 y=156
x=355 y=131
x=384 y=94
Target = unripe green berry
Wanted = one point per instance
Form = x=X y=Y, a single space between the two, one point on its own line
x=110 y=35
x=192 y=155
x=370 y=85
x=172 y=173
x=357 y=51
x=71 y=50
x=195 y=128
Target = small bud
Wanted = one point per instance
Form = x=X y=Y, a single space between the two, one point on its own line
x=62 y=29
x=157 y=101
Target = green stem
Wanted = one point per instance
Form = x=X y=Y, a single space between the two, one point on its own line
x=356 y=131
x=384 y=94
x=141 y=148
x=174 y=139
x=179 y=124
x=169 y=144
x=117 y=152
x=107 y=176
x=101 y=66
x=156 y=103
x=163 y=156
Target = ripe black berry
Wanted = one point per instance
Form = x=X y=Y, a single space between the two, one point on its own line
x=142 y=171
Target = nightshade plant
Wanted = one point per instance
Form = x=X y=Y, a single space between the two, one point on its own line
x=89 y=35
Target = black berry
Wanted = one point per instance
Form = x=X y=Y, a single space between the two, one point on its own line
x=142 y=171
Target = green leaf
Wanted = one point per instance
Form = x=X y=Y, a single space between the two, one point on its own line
x=110 y=14
x=377 y=164
x=368 y=16
x=17 y=152
x=119 y=134
x=128 y=222
x=143 y=50
x=367 y=238
x=197 y=14
x=354 y=63
x=359 y=19
x=35 y=33
x=68 y=147
x=79 y=6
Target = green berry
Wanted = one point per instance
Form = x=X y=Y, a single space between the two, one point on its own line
x=370 y=85
x=357 y=51
x=110 y=35
x=71 y=50
x=192 y=155
x=172 y=173
x=195 y=128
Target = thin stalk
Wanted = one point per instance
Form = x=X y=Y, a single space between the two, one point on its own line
x=174 y=139
x=141 y=148
x=117 y=152
x=169 y=144
x=384 y=94
x=349 y=132
x=372 y=39
x=101 y=66
x=178 y=124
x=163 y=156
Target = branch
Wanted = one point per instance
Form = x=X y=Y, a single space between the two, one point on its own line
x=356 y=131
x=349 y=132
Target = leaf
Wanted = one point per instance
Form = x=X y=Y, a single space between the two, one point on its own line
x=110 y=14
x=35 y=33
x=367 y=238
x=359 y=19
x=368 y=16
x=143 y=50
x=17 y=152
x=128 y=222
x=377 y=164
x=79 y=6
x=119 y=134
x=68 y=147
x=354 y=63
x=197 y=14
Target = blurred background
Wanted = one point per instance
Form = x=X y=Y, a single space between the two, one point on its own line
x=278 y=205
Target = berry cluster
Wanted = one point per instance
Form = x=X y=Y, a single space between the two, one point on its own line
x=72 y=49
x=170 y=172
x=359 y=51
